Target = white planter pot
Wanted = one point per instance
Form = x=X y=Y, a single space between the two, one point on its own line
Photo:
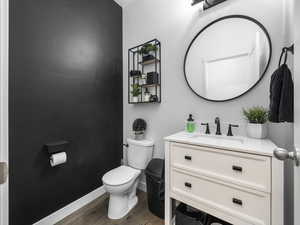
x=135 y=99
x=258 y=131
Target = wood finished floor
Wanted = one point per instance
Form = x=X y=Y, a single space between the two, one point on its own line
x=95 y=213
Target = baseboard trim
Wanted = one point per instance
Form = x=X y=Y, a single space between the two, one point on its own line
x=72 y=207
x=142 y=186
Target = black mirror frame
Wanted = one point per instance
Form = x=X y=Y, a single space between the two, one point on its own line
x=210 y=24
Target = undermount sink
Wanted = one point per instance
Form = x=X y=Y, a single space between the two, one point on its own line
x=222 y=138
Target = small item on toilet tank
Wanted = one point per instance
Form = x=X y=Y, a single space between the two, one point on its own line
x=58 y=159
x=190 y=124
x=139 y=127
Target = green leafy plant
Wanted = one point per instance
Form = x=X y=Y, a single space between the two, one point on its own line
x=257 y=114
x=136 y=90
x=147 y=48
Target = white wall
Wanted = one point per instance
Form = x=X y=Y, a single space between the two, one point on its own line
x=175 y=23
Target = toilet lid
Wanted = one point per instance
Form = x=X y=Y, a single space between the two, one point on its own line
x=120 y=175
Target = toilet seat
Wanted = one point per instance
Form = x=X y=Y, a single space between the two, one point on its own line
x=120 y=175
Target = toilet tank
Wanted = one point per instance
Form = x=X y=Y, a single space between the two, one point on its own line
x=139 y=153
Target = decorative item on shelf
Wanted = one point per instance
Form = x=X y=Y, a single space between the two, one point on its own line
x=143 y=79
x=136 y=92
x=135 y=73
x=147 y=95
x=147 y=51
x=144 y=73
x=152 y=78
x=148 y=58
x=153 y=98
x=139 y=127
x=257 y=122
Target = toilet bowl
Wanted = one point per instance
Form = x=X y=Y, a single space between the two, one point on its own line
x=121 y=182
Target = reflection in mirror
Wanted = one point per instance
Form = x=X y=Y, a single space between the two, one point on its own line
x=227 y=58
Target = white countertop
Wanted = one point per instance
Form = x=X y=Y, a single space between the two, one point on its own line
x=236 y=143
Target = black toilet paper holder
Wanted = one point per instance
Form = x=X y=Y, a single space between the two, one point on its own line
x=56 y=147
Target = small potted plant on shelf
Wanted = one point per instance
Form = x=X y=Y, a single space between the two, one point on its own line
x=136 y=92
x=147 y=51
x=257 y=122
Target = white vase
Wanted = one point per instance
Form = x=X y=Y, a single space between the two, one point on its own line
x=258 y=131
x=135 y=99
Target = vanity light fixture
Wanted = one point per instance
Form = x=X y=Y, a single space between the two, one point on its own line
x=196 y=2
x=207 y=3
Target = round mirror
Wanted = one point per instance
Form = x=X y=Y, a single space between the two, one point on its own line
x=227 y=58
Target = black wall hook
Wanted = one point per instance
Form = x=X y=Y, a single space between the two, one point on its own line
x=290 y=49
x=285 y=52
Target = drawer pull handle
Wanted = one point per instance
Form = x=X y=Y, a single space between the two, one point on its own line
x=188 y=157
x=189 y=185
x=237 y=168
x=237 y=201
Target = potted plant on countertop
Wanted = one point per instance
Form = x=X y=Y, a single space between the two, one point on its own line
x=136 y=92
x=257 y=122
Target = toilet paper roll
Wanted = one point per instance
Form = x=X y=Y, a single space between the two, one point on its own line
x=58 y=159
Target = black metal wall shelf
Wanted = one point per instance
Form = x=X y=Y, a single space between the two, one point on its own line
x=144 y=73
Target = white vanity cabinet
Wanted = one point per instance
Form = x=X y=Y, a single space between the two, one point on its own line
x=236 y=179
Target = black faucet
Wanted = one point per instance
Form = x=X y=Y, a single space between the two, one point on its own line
x=207 y=127
x=230 y=134
x=217 y=121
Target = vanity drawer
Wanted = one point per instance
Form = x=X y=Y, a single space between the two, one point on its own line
x=251 y=208
x=241 y=169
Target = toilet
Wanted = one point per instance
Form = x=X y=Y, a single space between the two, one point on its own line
x=121 y=182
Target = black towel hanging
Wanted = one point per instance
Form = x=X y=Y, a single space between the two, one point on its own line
x=282 y=91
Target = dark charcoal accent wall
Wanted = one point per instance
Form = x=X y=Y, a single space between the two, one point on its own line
x=65 y=84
